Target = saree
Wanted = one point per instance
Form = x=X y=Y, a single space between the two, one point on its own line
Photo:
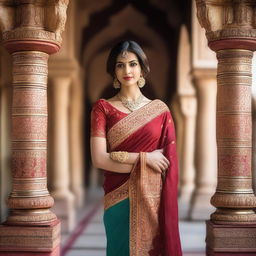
x=140 y=208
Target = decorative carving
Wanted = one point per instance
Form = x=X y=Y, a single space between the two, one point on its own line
x=7 y=14
x=243 y=201
x=231 y=239
x=33 y=58
x=29 y=185
x=234 y=98
x=227 y=19
x=31 y=217
x=35 y=145
x=239 y=126
x=30 y=239
x=234 y=126
x=238 y=185
x=32 y=68
x=234 y=79
x=234 y=216
x=30 y=203
x=29 y=34
x=29 y=30
x=30 y=97
x=29 y=127
x=231 y=34
x=33 y=20
x=55 y=17
x=29 y=163
x=30 y=15
x=29 y=138
x=29 y=111
x=203 y=15
x=235 y=56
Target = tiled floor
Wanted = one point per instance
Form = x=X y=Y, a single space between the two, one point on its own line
x=88 y=239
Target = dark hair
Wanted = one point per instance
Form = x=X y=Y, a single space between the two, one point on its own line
x=129 y=46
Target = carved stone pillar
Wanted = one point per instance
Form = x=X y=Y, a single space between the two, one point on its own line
x=206 y=150
x=60 y=173
x=188 y=109
x=231 y=32
x=254 y=124
x=30 y=32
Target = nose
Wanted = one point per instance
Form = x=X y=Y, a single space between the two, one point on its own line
x=127 y=69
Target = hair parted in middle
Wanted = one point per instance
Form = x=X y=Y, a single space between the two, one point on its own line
x=127 y=46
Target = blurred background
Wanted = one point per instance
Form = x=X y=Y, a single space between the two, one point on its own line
x=183 y=75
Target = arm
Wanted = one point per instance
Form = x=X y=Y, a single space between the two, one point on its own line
x=101 y=159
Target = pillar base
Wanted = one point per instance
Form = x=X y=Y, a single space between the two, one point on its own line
x=230 y=239
x=22 y=240
x=55 y=252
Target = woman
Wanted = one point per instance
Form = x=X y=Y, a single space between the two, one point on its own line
x=133 y=140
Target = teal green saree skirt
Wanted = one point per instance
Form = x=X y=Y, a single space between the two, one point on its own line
x=116 y=221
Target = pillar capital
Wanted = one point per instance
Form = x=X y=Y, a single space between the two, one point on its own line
x=32 y=24
x=227 y=21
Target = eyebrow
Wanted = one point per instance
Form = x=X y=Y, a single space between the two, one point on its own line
x=128 y=62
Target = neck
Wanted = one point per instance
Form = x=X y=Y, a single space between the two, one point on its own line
x=131 y=93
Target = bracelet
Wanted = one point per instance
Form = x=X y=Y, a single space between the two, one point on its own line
x=119 y=156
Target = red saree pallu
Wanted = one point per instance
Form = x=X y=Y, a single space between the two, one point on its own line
x=144 y=202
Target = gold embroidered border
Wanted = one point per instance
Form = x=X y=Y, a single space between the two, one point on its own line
x=144 y=194
x=116 y=196
x=132 y=122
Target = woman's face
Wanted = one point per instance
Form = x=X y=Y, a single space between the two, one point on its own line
x=127 y=69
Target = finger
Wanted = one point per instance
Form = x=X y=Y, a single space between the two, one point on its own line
x=158 y=168
x=166 y=166
x=162 y=166
x=166 y=161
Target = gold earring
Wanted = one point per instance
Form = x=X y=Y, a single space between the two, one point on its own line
x=141 y=82
x=116 y=83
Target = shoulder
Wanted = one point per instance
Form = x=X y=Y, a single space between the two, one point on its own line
x=160 y=104
x=99 y=103
x=100 y=106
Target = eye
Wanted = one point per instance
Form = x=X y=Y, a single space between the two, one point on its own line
x=119 y=65
x=133 y=64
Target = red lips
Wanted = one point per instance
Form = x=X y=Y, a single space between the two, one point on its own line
x=127 y=78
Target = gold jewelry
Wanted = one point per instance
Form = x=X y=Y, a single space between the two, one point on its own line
x=125 y=54
x=116 y=83
x=131 y=104
x=141 y=82
x=119 y=156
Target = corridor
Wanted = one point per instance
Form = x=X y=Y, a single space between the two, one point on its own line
x=88 y=238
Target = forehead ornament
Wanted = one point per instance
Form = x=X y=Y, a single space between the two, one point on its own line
x=124 y=54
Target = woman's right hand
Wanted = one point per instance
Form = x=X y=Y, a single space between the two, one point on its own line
x=157 y=161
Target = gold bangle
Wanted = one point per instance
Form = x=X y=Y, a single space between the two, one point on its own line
x=119 y=156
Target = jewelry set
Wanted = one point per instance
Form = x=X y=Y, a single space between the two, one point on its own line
x=123 y=156
x=141 y=82
x=119 y=156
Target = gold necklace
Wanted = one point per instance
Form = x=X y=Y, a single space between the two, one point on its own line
x=131 y=104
